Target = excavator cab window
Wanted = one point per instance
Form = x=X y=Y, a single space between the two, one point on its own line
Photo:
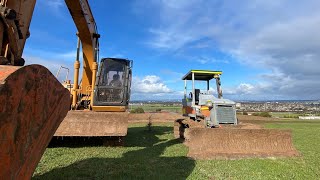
x=112 y=82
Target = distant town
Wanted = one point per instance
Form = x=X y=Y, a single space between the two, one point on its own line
x=310 y=106
x=280 y=106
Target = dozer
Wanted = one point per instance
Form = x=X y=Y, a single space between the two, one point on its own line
x=212 y=131
x=36 y=106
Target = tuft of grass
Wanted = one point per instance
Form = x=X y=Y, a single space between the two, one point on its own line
x=262 y=114
x=156 y=154
x=138 y=110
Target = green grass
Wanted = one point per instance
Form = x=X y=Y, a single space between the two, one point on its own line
x=293 y=115
x=153 y=108
x=157 y=155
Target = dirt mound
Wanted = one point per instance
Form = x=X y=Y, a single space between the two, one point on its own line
x=89 y=123
x=238 y=143
x=233 y=141
x=242 y=125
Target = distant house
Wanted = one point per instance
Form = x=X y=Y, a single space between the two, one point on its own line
x=309 y=117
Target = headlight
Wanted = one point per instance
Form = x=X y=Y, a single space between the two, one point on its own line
x=209 y=104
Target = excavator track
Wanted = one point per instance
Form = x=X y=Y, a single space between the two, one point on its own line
x=234 y=142
x=33 y=105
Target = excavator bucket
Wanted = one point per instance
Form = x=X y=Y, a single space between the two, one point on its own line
x=33 y=105
x=226 y=143
x=89 y=123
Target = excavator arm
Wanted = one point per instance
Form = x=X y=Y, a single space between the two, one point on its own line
x=89 y=37
x=15 y=20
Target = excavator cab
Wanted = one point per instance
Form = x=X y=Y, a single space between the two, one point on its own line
x=111 y=95
x=113 y=82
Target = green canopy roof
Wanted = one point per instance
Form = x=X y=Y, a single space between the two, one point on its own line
x=203 y=75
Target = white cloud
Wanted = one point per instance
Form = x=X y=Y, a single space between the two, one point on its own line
x=55 y=3
x=53 y=65
x=52 y=61
x=277 y=36
x=151 y=87
x=150 y=84
x=58 y=8
x=207 y=60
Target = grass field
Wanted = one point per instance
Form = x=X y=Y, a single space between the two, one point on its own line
x=157 y=155
x=154 y=107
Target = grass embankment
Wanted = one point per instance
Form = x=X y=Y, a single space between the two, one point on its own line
x=156 y=155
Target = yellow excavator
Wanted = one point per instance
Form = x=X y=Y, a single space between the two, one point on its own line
x=37 y=106
x=98 y=104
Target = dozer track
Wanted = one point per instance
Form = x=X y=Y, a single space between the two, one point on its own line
x=88 y=123
x=234 y=143
x=33 y=104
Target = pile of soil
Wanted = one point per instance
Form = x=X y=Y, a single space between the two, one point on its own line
x=234 y=141
x=238 y=143
x=247 y=139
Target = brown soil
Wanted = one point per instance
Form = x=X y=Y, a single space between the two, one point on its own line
x=242 y=125
x=154 y=117
x=238 y=143
x=89 y=123
x=247 y=139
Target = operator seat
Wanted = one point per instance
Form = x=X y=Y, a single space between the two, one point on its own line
x=197 y=92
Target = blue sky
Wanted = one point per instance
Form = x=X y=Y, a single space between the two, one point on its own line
x=267 y=50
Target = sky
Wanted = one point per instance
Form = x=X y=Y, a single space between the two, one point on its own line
x=267 y=50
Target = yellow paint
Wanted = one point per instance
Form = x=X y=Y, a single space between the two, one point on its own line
x=204 y=108
x=75 y=81
x=109 y=108
x=206 y=72
x=94 y=71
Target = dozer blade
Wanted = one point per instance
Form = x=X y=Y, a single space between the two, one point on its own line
x=210 y=143
x=33 y=104
x=89 y=123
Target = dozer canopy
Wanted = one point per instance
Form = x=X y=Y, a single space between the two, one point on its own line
x=204 y=75
x=202 y=105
